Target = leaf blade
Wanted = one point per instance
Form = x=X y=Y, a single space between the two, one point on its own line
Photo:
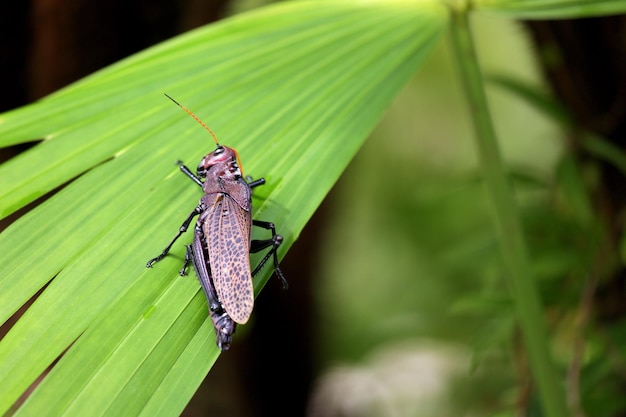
x=550 y=9
x=297 y=109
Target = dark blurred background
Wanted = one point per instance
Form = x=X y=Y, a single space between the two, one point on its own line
x=47 y=44
x=370 y=324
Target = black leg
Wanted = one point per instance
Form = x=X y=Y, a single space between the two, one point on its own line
x=255 y=183
x=273 y=243
x=222 y=323
x=188 y=258
x=190 y=174
x=183 y=228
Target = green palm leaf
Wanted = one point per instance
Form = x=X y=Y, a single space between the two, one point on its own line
x=294 y=88
x=551 y=9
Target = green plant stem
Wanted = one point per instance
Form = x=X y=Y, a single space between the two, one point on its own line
x=513 y=246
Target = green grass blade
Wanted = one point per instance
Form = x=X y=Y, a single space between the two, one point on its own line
x=512 y=240
x=551 y=9
x=295 y=88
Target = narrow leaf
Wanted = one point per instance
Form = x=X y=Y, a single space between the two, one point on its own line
x=551 y=9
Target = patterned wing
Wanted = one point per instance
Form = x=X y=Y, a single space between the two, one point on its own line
x=227 y=232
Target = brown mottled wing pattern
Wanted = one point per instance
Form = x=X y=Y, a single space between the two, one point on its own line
x=227 y=232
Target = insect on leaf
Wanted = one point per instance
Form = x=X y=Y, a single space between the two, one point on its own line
x=295 y=88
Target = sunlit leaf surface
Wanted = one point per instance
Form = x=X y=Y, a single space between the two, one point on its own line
x=295 y=88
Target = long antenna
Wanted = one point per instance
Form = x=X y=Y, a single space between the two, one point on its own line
x=189 y=112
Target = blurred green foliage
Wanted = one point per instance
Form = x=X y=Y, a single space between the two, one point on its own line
x=411 y=251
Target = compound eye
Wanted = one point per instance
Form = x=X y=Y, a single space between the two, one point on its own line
x=201 y=170
x=218 y=151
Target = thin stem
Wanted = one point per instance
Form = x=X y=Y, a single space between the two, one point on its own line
x=515 y=257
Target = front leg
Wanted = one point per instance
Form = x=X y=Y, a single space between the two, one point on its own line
x=190 y=174
x=254 y=183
